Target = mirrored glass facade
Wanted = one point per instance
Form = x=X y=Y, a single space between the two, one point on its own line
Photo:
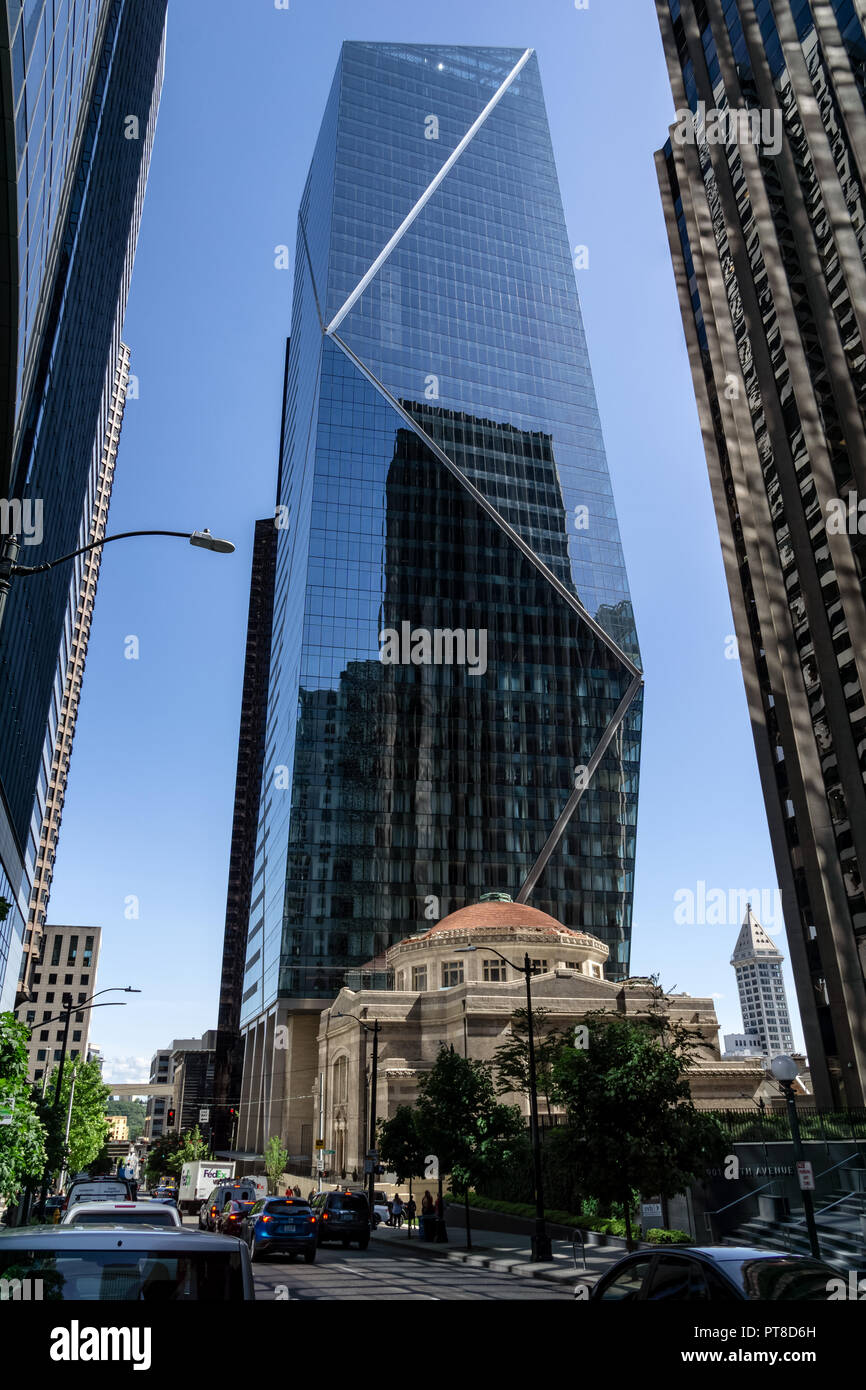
x=433 y=694
x=72 y=297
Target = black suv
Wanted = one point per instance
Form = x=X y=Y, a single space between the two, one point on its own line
x=342 y=1216
x=221 y=1197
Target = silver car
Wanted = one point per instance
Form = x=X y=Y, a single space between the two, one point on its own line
x=139 y=1264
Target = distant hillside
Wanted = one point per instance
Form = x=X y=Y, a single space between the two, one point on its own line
x=134 y=1110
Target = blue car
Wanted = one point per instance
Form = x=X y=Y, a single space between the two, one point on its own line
x=280 y=1226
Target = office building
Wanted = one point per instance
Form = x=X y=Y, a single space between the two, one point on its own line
x=454 y=692
x=160 y=1074
x=762 y=186
x=65 y=970
x=251 y=746
x=80 y=82
x=191 y=1067
x=72 y=679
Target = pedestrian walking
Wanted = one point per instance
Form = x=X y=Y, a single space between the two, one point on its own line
x=428 y=1217
x=397 y=1211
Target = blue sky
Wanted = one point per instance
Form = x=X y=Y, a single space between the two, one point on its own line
x=149 y=805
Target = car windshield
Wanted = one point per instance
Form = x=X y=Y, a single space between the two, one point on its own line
x=159 y=1216
x=347 y=1201
x=784 y=1278
x=149 y=1276
x=297 y=1208
x=97 y=1191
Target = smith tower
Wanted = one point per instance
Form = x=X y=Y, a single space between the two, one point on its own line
x=454 y=693
x=762 y=182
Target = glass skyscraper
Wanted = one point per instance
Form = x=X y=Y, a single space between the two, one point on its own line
x=453 y=635
x=80 y=85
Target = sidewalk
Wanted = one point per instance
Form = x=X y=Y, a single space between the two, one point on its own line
x=502 y=1252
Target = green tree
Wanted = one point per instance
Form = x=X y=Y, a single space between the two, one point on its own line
x=401 y=1146
x=631 y=1123
x=276 y=1158
x=511 y=1058
x=163 y=1156
x=88 y=1130
x=22 y=1142
x=192 y=1147
x=460 y=1120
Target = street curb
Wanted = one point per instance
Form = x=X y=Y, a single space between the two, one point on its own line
x=522 y=1269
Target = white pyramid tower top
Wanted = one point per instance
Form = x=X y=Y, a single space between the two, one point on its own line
x=753 y=943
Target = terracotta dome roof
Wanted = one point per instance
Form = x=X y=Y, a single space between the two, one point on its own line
x=499 y=915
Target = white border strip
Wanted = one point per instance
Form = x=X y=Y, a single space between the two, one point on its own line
x=426 y=196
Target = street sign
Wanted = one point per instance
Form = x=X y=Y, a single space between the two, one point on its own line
x=805 y=1176
x=204 y=1116
x=320 y=1163
x=650 y=1211
x=320 y=1143
x=6 y=1108
x=330 y=1151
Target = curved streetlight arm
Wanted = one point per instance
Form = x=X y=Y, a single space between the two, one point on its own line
x=24 y=570
x=80 y=1009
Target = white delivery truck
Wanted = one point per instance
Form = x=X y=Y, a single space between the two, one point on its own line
x=198 y=1180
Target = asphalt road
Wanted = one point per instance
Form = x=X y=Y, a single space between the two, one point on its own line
x=374 y=1274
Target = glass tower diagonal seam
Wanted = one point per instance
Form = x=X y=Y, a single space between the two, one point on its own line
x=393 y=792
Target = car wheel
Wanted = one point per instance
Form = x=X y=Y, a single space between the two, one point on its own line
x=310 y=1256
x=363 y=1242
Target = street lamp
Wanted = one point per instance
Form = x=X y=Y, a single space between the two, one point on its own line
x=372 y=1144
x=9 y=570
x=786 y=1071
x=542 y=1251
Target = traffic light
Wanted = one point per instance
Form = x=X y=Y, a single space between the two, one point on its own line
x=169 y=1119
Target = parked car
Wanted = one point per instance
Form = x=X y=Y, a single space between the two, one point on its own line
x=342 y=1216
x=717 y=1273
x=115 y=1262
x=228 y=1223
x=213 y=1208
x=97 y=1190
x=122 y=1214
x=280 y=1226
x=380 y=1214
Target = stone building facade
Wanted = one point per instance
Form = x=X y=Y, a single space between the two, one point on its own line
x=451 y=987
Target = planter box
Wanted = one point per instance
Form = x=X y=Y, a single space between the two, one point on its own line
x=594 y=1238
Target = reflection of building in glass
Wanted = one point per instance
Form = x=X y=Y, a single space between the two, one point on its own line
x=394 y=793
x=79 y=86
x=769 y=248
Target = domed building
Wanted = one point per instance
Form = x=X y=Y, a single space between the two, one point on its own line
x=459 y=984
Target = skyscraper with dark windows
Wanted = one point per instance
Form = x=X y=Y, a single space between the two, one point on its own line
x=80 y=82
x=762 y=181
x=454 y=699
x=228 y=1058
